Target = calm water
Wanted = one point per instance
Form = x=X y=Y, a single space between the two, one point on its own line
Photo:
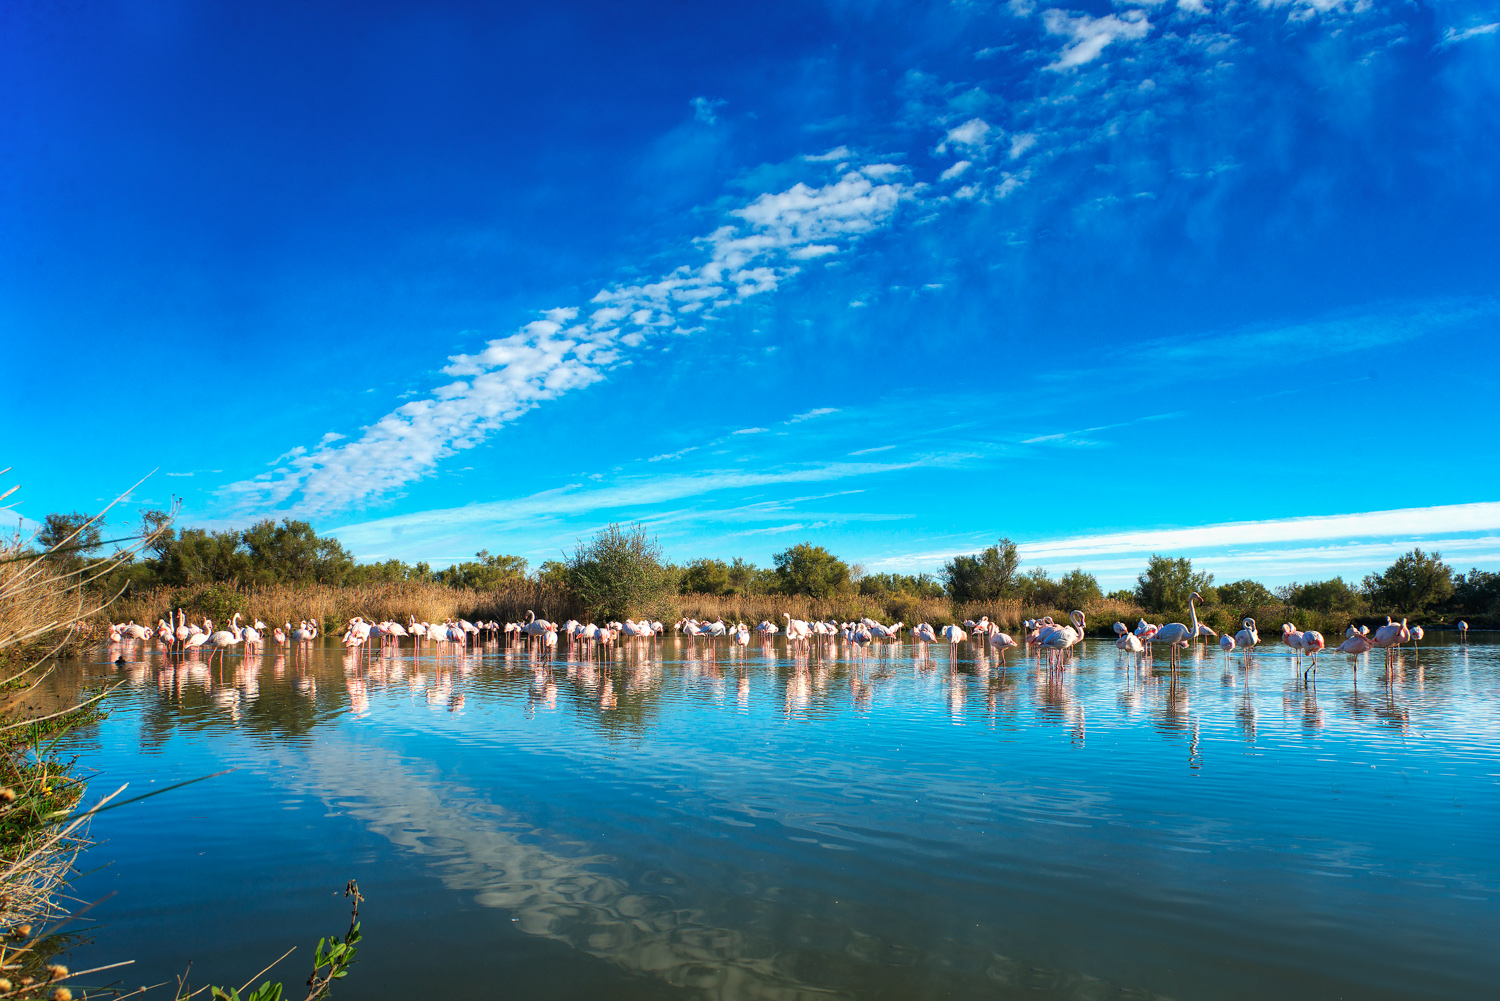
x=880 y=824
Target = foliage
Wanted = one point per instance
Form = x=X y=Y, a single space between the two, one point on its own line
x=70 y=539
x=915 y=585
x=811 y=570
x=1324 y=596
x=619 y=574
x=485 y=573
x=1166 y=584
x=1123 y=595
x=1077 y=589
x=1476 y=593
x=1411 y=585
x=986 y=576
x=1245 y=594
x=331 y=961
x=553 y=573
x=705 y=576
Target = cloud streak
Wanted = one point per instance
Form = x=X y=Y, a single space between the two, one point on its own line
x=574 y=347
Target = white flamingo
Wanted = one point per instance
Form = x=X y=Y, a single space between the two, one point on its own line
x=1247 y=637
x=1175 y=633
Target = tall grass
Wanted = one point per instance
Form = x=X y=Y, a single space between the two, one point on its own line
x=333 y=607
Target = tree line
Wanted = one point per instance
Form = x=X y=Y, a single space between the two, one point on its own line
x=624 y=568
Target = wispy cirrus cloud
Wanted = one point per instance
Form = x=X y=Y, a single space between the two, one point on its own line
x=628 y=497
x=1455 y=35
x=570 y=348
x=1275 y=547
x=759 y=245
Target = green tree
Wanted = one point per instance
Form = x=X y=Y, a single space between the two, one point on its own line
x=1166 y=584
x=485 y=572
x=1476 y=593
x=812 y=570
x=985 y=576
x=620 y=573
x=1077 y=589
x=1245 y=594
x=705 y=576
x=292 y=553
x=1411 y=585
x=912 y=585
x=742 y=576
x=72 y=539
x=552 y=573
x=1122 y=595
x=1325 y=596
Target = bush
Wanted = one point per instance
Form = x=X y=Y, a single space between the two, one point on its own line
x=811 y=570
x=620 y=574
x=1167 y=583
x=986 y=576
x=1411 y=585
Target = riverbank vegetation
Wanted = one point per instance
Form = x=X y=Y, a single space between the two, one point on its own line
x=53 y=586
x=286 y=572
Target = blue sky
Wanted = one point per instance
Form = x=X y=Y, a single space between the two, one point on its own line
x=1213 y=279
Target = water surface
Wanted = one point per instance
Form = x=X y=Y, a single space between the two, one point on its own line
x=895 y=822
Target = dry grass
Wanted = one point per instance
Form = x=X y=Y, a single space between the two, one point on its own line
x=334 y=606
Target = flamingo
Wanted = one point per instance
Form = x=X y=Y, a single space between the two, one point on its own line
x=1357 y=644
x=1247 y=637
x=796 y=629
x=280 y=633
x=1391 y=635
x=1001 y=640
x=1463 y=631
x=954 y=634
x=1060 y=639
x=1176 y=633
x=923 y=632
x=1130 y=643
x=1292 y=637
x=1312 y=642
x=1226 y=643
x=222 y=639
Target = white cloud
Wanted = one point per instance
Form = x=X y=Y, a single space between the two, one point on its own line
x=837 y=153
x=751 y=431
x=955 y=170
x=1090 y=35
x=1282 y=548
x=810 y=414
x=568 y=348
x=1019 y=144
x=705 y=109
x=972 y=137
x=673 y=455
x=1454 y=35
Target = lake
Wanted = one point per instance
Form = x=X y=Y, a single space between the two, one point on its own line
x=692 y=821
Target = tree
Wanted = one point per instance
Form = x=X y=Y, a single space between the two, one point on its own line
x=811 y=570
x=292 y=553
x=1411 y=585
x=917 y=586
x=1325 y=596
x=1123 y=595
x=1245 y=594
x=1167 y=583
x=1077 y=589
x=485 y=572
x=552 y=573
x=70 y=539
x=619 y=574
x=1476 y=592
x=742 y=576
x=705 y=576
x=985 y=576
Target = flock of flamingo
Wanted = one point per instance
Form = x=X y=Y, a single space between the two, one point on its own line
x=1041 y=635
